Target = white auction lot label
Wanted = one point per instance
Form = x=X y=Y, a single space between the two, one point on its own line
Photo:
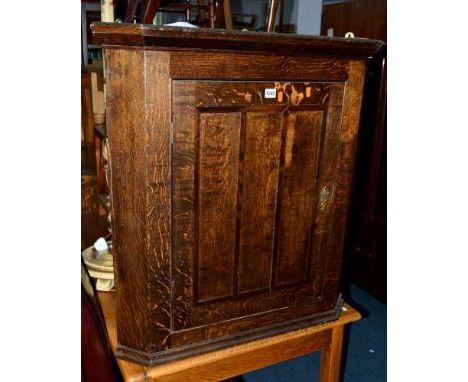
x=270 y=93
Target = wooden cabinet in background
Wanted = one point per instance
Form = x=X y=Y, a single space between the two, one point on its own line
x=231 y=162
x=365 y=18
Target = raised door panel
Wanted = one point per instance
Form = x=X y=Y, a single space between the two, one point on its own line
x=217 y=189
x=257 y=199
x=251 y=225
x=296 y=204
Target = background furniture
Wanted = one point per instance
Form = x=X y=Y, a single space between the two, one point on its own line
x=88 y=174
x=87 y=118
x=231 y=161
x=210 y=13
x=90 y=12
x=240 y=359
x=365 y=18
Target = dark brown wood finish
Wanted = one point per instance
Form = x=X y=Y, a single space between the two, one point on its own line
x=158 y=194
x=365 y=18
x=217 y=183
x=139 y=142
x=207 y=100
x=344 y=174
x=296 y=206
x=229 y=206
x=165 y=37
x=251 y=67
x=257 y=202
x=125 y=117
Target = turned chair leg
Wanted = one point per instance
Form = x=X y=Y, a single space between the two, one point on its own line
x=227 y=14
x=271 y=15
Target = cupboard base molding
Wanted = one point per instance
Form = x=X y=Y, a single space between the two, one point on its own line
x=158 y=358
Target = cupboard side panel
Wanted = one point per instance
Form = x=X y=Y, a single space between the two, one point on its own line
x=343 y=179
x=126 y=134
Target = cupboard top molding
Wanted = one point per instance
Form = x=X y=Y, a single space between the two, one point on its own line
x=165 y=37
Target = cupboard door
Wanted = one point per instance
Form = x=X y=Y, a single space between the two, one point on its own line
x=253 y=188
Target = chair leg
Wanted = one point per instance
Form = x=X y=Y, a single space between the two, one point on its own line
x=219 y=14
x=130 y=12
x=188 y=11
x=227 y=14
x=271 y=15
x=211 y=13
x=151 y=10
x=202 y=11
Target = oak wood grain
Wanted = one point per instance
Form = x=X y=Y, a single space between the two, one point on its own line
x=167 y=37
x=184 y=163
x=219 y=142
x=240 y=66
x=125 y=121
x=158 y=195
x=343 y=176
x=296 y=210
x=323 y=227
x=261 y=170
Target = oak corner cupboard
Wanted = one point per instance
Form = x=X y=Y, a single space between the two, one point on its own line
x=231 y=157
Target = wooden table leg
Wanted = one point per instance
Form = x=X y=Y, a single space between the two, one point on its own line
x=331 y=357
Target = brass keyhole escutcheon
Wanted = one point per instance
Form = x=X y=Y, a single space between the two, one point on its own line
x=324 y=194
